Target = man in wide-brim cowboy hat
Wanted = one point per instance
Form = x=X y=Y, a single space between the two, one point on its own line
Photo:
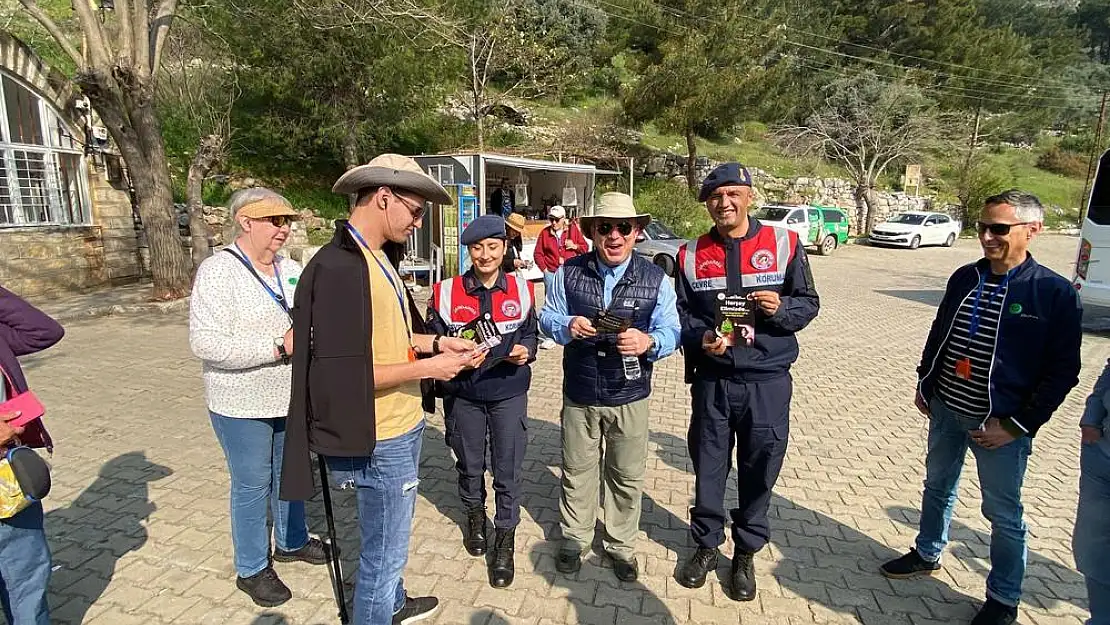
x=360 y=353
x=615 y=313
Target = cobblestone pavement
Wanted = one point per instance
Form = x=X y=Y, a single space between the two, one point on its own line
x=138 y=519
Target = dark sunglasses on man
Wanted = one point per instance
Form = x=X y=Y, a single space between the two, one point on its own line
x=999 y=230
x=605 y=227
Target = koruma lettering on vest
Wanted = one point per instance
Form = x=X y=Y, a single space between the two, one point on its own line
x=458 y=308
x=703 y=261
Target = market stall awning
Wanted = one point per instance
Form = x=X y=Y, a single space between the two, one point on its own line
x=539 y=165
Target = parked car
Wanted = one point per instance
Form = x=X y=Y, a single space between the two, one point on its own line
x=914 y=229
x=822 y=227
x=660 y=244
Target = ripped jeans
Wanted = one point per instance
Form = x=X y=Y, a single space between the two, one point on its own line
x=386 y=484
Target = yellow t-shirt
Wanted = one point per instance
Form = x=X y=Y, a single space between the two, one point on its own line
x=398 y=409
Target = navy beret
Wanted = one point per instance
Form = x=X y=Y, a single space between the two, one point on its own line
x=724 y=175
x=484 y=227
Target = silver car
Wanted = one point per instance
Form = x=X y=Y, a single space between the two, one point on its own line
x=660 y=245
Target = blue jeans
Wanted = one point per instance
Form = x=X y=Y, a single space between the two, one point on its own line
x=24 y=568
x=253 y=448
x=548 y=280
x=1091 y=542
x=386 y=485
x=1001 y=472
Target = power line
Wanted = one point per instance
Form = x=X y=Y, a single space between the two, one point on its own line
x=867 y=47
x=1041 y=101
x=1037 y=81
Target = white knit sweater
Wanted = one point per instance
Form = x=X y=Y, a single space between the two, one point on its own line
x=233 y=322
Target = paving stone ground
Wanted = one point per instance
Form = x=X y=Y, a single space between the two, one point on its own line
x=138 y=519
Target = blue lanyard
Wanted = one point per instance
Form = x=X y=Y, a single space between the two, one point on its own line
x=279 y=295
x=973 y=328
x=388 y=276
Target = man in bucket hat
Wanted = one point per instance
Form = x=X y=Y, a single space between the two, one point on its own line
x=615 y=313
x=744 y=290
x=360 y=354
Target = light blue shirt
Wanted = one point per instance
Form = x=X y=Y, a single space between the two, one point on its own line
x=664 y=326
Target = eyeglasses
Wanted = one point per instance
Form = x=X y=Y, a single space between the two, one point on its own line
x=416 y=210
x=999 y=230
x=605 y=227
x=279 y=221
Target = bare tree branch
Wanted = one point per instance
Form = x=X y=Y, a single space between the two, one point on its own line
x=126 y=30
x=159 y=30
x=42 y=18
x=96 y=42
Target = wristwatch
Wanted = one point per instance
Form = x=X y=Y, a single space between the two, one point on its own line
x=279 y=343
x=435 y=345
x=651 y=344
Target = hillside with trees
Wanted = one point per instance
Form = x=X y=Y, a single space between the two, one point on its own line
x=982 y=93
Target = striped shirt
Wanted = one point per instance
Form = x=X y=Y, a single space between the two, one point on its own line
x=970 y=395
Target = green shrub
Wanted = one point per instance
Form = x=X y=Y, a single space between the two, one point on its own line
x=672 y=204
x=1063 y=162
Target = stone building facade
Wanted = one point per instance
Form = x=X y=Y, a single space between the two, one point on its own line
x=66 y=220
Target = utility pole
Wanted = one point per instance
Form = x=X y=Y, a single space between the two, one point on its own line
x=1095 y=151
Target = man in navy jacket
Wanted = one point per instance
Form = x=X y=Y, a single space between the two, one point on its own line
x=1002 y=355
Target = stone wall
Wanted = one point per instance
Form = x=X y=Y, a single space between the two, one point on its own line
x=51 y=261
x=836 y=192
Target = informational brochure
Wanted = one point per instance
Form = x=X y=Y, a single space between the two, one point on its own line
x=735 y=320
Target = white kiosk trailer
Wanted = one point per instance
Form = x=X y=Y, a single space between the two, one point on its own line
x=471 y=179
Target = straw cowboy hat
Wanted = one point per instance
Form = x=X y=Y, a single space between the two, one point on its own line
x=393 y=171
x=615 y=207
x=516 y=222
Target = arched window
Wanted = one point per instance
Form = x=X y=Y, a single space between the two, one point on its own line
x=42 y=167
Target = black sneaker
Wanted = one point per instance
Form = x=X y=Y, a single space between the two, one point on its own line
x=314 y=552
x=416 y=609
x=265 y=588
x=693 y=573
x=909 y=565
x=995 y=613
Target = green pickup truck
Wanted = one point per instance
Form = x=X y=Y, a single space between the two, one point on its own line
x=822 y=227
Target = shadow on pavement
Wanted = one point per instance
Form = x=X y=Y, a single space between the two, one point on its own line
x=930 y=297
x=829 y=563
x=105 y=522
x=270 y=618
x=540 y=499
x=972 y=548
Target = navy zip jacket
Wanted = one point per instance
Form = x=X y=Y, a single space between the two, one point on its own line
x=1036 y=356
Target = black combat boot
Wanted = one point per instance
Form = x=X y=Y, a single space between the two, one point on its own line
x=501 y=569
x=475 y=538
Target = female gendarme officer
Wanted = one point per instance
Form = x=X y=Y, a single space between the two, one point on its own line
x=494 y=397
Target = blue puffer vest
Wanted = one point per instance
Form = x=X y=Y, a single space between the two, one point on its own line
x=593 y=374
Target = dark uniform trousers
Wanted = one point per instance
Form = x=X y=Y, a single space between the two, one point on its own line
x=753 y=417
x=467 y=423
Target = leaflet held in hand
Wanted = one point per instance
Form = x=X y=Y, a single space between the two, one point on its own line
x=482 y=331
x=735 y=320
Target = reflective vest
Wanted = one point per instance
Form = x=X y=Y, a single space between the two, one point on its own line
x=510 y=310
x=763 y=260
x=457 y=307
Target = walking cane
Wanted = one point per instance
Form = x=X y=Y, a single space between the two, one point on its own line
x=335 y=569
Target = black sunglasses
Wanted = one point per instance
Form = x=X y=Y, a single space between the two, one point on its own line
x=999 y=230
x=623 y=227
x=279 y=221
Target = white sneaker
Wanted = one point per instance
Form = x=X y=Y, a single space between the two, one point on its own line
x=547 y=344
